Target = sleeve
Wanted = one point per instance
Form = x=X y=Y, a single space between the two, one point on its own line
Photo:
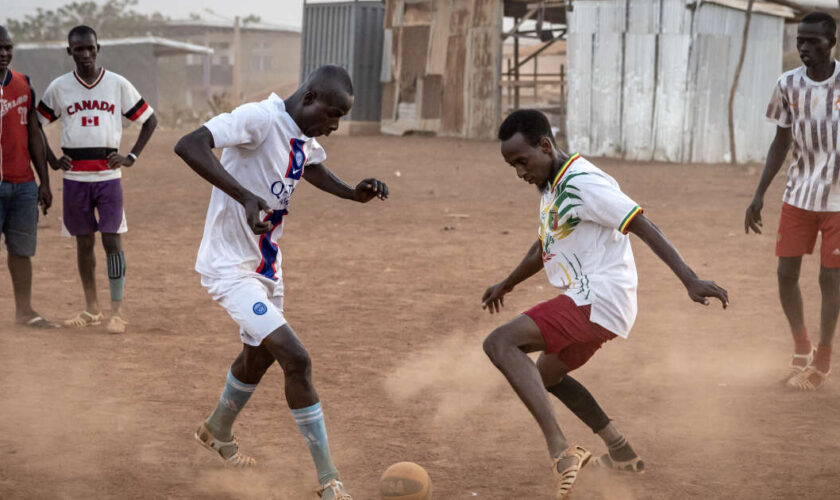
x=603 y=202
x=317 y=154
x=48 y=109
x=778 y=110
x=246 y=126
x=135 y=107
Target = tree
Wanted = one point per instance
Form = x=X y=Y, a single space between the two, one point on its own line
x=113 y=19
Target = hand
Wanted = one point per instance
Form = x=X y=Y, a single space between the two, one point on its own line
x=115 y=160
x=698 y=290
x=752 y=220
x=63 y=163
x=494 y=297
x=253 y=206
x=369 y=189
x=44 y=197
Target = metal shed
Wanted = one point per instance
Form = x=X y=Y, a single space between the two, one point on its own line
x=347 y=34
x=650 y=79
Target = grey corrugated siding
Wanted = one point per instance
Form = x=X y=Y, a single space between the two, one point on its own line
x=347 y=34
x=667 y=97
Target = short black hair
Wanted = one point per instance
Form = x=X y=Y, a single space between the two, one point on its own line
x=822 y=18
x=82 y=30
x=329 y=78
x=532 y=124
x=4 y=33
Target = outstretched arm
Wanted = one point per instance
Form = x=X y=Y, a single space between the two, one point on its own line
x=697 y=289
x=37 y=151
x=117 y=160
x=775 y=157
x=532 y=263
x=322 y=178
x=196 y=149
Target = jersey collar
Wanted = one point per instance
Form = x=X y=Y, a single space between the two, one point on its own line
x=563 y=169
x=8 y=79
x=94 y=84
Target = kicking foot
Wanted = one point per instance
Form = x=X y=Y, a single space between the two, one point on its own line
x=38 y=322
x=84 y=319
x=636 y=464
x=810 y=379
x=566 y=468
x=333 y=490
x=116 y=325
x=227 y=451
x=798 y=364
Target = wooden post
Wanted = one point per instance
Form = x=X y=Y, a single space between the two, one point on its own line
x=734 y=157
x=516 y=70
x=509 y=89
x=536 y=100
x=237 y=63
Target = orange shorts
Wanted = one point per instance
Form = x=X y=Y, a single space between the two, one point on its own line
x=798 y=234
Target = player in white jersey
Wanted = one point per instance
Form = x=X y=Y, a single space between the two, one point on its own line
x=805 y=107
x=268 y=147
x=90 y=102
x=585 y=251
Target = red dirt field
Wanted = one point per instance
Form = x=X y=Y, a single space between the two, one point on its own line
x=386 y=296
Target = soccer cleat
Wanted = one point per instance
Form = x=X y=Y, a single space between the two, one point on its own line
x=333 y=490
x=577 y=457
x=227 y=451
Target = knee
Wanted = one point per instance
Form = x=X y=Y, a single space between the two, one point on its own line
x=788 y=275
x=111 y=242
x=495 y=344
x=85 y=243
x=829 y=278
x=297 y=362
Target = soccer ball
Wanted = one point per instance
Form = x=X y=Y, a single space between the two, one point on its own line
x=405 y=481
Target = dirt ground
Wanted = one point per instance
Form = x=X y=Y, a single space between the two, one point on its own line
x=386 y=296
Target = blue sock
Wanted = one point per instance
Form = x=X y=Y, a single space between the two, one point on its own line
x=233 y=399
x=310 y=421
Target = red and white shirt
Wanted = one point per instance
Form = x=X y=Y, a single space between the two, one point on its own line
x=91 y=120
x=812 y=111
x=15 y=106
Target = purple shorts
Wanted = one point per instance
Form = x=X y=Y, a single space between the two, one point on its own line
x=82 y=198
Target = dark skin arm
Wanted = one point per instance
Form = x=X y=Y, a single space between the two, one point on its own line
x=698 y=290
x=196 y=149
x=321 y=177
x=37 y=152
x=532 y=263
x=115 y=160
x=775 y=157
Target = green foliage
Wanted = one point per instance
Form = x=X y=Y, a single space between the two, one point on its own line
x=112 y=19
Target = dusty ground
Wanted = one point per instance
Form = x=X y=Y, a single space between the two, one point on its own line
x=386 y=298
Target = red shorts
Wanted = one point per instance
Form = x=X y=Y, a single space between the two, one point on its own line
x=567 y=331
x=798 y=234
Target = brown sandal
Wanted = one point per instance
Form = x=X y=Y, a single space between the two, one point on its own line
x=565 y=479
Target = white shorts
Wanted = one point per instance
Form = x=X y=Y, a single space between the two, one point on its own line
x=254 y=302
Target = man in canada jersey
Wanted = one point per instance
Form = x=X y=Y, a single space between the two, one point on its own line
x=21 y=144
x=90 y=102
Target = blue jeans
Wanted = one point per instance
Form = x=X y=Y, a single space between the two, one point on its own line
x=19 y=217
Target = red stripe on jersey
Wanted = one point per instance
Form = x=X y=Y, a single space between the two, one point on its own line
x=139 y=112
x=44 y=113
x=90 y=165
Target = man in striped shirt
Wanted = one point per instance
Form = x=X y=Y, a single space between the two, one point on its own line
x=806 y=109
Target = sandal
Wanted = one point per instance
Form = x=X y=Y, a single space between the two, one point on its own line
x=635 y=464
x=794 y=369
x=38 y=322
x=333 y=490
x=810 y=379
x=565 y=479
x=227 y=451
x=84 y=319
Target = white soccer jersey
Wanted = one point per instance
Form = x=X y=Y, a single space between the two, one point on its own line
x=266 y=152
x=91 y=120
x=586 y=251
x=812 y=111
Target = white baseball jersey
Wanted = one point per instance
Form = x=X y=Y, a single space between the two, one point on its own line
x=91 y=120
x=812 y=111
x=266 y=152
x=585 y=248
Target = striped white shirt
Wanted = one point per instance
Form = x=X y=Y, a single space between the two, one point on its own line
x=812 y=111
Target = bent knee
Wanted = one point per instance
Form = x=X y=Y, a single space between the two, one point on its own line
x=495 y=344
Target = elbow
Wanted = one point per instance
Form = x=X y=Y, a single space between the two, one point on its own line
x=182 y=147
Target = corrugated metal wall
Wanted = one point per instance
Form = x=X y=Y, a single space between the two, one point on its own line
x=650 y=79
x=347 y=34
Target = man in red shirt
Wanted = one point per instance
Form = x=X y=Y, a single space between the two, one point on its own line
x=21 y=143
